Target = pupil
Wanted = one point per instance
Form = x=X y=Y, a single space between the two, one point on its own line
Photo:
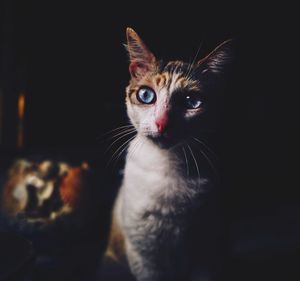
x=147 y=95
x=192 y=102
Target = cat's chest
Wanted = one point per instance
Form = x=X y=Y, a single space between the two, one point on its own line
x=151 y=200
x=154 y=185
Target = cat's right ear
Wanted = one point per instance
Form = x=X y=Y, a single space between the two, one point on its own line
x=219 y=59
x=141 y=58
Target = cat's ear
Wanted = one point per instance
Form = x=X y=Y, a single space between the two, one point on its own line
x=218 y=60
x=141 y=58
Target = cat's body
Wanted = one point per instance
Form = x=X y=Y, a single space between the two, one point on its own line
x=156 y=214
x=166 y=215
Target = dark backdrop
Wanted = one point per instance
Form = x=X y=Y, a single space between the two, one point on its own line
x=70 y=61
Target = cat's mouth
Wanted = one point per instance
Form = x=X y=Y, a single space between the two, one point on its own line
x=165 y=140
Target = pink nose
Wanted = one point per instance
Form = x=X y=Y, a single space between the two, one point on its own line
x=161 y=123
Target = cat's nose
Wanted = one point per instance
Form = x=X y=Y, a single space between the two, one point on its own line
x=161 y=123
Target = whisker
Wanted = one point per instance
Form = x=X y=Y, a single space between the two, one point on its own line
x=123 y=150
x=120 y=127
x=115 y=129
x=191 y=65
x=122 y=136
x=134 y=148
x=209 y=161
x=120 y=133
x=117 y=153
x=195 y=161
x=186 y=162
x=207 y=147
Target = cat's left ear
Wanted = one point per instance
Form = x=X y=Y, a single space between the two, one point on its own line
x=141 y=58
x=218 y=60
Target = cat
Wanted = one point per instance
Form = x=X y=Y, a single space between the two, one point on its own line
x=165 y=220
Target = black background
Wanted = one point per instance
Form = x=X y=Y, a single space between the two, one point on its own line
x=69 y=60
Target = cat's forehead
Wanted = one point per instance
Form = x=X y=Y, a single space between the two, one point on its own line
x=176 y=67
x=176 y=75
x=171 y=76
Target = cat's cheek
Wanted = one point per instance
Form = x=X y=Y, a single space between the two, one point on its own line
x=145 y=127
x=133 y=115
x=190 y=114
x=142 y=117
x=150 y=127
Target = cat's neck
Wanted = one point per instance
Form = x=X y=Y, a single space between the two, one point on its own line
x=179 y=160
x=160 y=171
x=145 y=152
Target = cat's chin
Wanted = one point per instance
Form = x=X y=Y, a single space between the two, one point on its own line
x=162 y=141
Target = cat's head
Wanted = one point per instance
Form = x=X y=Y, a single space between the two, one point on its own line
x=167 y=101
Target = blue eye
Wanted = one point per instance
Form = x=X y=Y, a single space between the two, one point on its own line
x=146 y=95
x=193 y=101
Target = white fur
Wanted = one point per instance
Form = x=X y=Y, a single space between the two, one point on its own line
x=154 y=181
